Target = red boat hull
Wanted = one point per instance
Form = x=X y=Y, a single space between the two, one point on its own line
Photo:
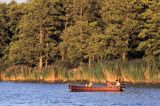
x=74 y=88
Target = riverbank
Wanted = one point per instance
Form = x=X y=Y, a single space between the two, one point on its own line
x=128 y=72
x=76 y=78
x=79 y=82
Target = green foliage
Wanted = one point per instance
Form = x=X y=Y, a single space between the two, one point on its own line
x=37 y=33
x=83 y=24
x=151 y=29
x=121 y=20
x=80 y=32
x=4 y=31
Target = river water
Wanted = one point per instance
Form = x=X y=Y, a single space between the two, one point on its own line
x=39 y=94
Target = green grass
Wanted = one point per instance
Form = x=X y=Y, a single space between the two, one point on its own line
x=129 y=71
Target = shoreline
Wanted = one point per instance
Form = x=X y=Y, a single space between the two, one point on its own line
x=77 y=82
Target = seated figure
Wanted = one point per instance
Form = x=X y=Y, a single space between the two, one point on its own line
x=90 y=84
x=118 y=83
x=109 y=84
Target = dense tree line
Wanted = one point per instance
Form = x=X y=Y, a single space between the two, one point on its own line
x=42 y=32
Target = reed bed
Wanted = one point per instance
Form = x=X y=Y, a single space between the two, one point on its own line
x=128 y=71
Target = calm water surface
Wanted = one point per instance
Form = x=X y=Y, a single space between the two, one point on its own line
x=38 y=94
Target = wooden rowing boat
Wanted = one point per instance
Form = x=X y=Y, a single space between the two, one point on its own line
x=78 y=88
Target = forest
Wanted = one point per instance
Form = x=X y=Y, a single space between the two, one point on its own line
x=80 y=40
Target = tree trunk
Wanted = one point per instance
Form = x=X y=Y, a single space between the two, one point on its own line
x=46 y=63
x=40 y=57
x=47 y=55
x=89 y=62
x=124 y=56
x=64 y=49
x=40 y=63
x=66 y=23
x=62 y=56
x=81 y=29
x=81 y=19
x=63 y=53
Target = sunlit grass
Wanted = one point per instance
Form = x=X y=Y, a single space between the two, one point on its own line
x=128 y=71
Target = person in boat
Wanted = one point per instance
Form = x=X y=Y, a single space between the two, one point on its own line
x=118 y=84
x=90 y=84
x=109 y=84
x=86 y=85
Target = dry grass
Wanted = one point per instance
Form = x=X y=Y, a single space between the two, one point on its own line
x=130 y=71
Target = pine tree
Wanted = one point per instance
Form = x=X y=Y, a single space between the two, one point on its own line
x=81 y=21
x=150 y=32
x=38 y=30
x=122 y=22
x=5 y=35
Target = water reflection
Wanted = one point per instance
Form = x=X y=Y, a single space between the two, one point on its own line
x=38 y=94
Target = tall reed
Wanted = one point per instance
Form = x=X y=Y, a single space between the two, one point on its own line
x=128 y=71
